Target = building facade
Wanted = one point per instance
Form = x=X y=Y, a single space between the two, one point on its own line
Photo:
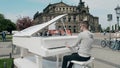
x=76 y=14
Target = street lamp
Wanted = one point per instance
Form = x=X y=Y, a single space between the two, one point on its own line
x=109 y=16
x=117 y=9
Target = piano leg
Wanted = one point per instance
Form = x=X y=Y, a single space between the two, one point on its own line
x=57 y=61
x=39 y=61
x=22 y=52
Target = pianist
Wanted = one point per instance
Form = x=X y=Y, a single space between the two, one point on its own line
x=84 y=44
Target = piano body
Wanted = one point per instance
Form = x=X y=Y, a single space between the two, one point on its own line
x=27 y=39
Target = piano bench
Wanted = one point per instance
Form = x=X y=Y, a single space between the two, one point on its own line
x=83 y=64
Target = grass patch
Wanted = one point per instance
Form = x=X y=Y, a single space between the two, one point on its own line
x=8 y=38
x=8 y=61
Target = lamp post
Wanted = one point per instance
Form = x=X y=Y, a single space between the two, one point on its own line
x=117 y=9
x=109 y=16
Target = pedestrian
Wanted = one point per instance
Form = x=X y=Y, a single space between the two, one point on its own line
x=104 y=33
x=84 y=44
x=3 y=36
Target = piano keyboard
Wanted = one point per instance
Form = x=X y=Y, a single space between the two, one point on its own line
x=57 y=47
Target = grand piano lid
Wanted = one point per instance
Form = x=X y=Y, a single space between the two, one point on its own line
x=34 y=29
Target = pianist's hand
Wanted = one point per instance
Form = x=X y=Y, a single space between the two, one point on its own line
x=68 y=46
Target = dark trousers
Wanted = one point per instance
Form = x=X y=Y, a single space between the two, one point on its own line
x=73 y=56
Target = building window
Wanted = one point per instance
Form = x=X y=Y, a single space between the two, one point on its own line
x=60 y=9
x=69 y=27
x=74 y=29
x=56 y=9
x=67 y=9
x=63 y=9
x=74 y=18
x=69 y=19
x=59 y=26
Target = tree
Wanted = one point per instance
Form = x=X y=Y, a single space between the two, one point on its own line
x=8 y=25
x=2 y=16
x=23 y=23
x=107 y=29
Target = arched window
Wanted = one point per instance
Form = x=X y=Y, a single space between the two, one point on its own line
x=69 y=27
x=74 y=18
x=74 y=29
x=67 y=9
x=60 y=9
x=59 y=26
x=69 y=19
x=63 y=9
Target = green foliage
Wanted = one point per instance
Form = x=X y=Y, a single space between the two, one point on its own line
x=2 y=16
x=7 y=25
x=8 y=62
x=107 y=29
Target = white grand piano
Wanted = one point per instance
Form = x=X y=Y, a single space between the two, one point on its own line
x=40 y=46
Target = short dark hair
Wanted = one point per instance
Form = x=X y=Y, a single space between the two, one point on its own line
x=85 y=23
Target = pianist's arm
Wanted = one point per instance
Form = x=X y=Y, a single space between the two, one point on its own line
x=75 y=45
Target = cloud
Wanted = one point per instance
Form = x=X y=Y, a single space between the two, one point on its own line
x=106 y=4
x=14 y=16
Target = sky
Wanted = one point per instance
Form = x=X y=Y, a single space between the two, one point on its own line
x=14 y=9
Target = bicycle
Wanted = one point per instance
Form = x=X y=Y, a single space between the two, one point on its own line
x=105 y=43
x=114 y=45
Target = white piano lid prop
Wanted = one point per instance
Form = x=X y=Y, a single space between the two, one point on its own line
x=34 y=29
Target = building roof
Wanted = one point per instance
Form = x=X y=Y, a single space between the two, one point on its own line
x=55 y=4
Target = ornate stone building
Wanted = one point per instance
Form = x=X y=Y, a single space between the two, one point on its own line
x=72 y=20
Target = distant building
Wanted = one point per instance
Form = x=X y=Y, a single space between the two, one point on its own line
x=72 y=20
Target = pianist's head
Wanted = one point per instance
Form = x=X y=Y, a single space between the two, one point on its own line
x=84 y=25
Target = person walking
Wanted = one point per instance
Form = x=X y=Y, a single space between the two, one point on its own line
x=84 y=44
x=3 y=36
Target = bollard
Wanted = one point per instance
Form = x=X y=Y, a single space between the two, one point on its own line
x=12 y=48
x=12 y=66
x=10 y=55
x=5 y=65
